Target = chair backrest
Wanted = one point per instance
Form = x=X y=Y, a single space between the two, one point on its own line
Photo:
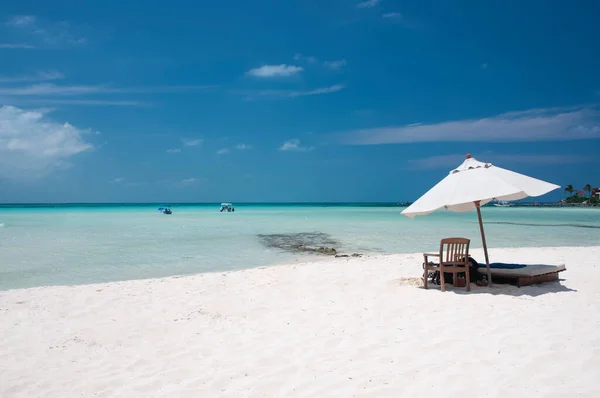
x=454 y=251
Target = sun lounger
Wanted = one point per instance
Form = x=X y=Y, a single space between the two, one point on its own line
x=524 y=274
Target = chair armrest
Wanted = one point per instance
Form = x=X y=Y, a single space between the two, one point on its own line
x=426 y=259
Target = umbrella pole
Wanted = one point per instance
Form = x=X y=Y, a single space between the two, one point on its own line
x=485 y=251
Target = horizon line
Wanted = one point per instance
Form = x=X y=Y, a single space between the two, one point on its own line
x=395 y=203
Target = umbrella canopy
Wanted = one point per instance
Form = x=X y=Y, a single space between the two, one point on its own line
x=475 y=181
x=473 y=184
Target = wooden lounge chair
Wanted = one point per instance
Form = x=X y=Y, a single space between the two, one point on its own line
x=453 y=258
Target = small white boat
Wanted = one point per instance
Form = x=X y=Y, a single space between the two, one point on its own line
x=228 y=207
x=503 y=203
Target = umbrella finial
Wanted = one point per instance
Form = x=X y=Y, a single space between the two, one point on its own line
x=468 y=156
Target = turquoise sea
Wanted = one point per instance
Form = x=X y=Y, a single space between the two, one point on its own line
x=78 y=244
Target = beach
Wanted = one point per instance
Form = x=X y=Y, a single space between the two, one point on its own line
x=357 y=327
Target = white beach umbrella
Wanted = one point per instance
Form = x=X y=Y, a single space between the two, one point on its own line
x=473 y=184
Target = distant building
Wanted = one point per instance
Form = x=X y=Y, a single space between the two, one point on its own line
x=596 y=192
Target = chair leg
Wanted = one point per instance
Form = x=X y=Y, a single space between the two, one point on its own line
x=442 y=279
x=468 y=278
x=425 y=275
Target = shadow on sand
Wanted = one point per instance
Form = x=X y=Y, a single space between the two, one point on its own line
x=512 y=290
x=496 y=290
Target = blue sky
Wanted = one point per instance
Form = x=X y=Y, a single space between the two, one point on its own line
x=306 y=100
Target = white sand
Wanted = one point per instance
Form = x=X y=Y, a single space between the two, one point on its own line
x=340 y=328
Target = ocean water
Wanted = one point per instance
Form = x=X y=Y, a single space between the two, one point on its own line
x=68 y=245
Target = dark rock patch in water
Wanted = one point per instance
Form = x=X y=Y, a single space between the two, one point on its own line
x=349 y=255
x=304 y=242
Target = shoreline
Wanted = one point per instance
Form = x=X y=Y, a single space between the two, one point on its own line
x=338 y=327
x=476 y=253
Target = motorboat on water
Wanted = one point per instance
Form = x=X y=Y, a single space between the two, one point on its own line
x=165 y=209
x=503 y=203
x=227 y=207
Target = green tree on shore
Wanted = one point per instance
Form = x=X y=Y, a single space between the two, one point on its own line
x=573 y=196
x=569 y=189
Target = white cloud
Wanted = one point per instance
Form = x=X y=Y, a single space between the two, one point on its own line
x=173 y=150
x=47 y=89
x=501 y=160
x=392 y=15
x=120 y=179
x=399 y=18
x=294 y=145
x=290 y=93
x=367 y=4
x=240 y=147
x=192 y=142
x=323 y=90
x=534 y=125
x=185 y=181
x=74 y=102
x=32 y=145
x=335 y=65
x=16 y=46
x=158 y=89
x=22 y=20
x=48 y=32
x=282 y=70
x=305 y=58
x=53 y=89
x=40 y=76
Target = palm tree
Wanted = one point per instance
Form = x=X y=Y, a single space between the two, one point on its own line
x=588 y=189
x=569 y=189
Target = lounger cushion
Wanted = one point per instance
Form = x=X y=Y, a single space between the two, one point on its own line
x=527 y=270
x=504 y=265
